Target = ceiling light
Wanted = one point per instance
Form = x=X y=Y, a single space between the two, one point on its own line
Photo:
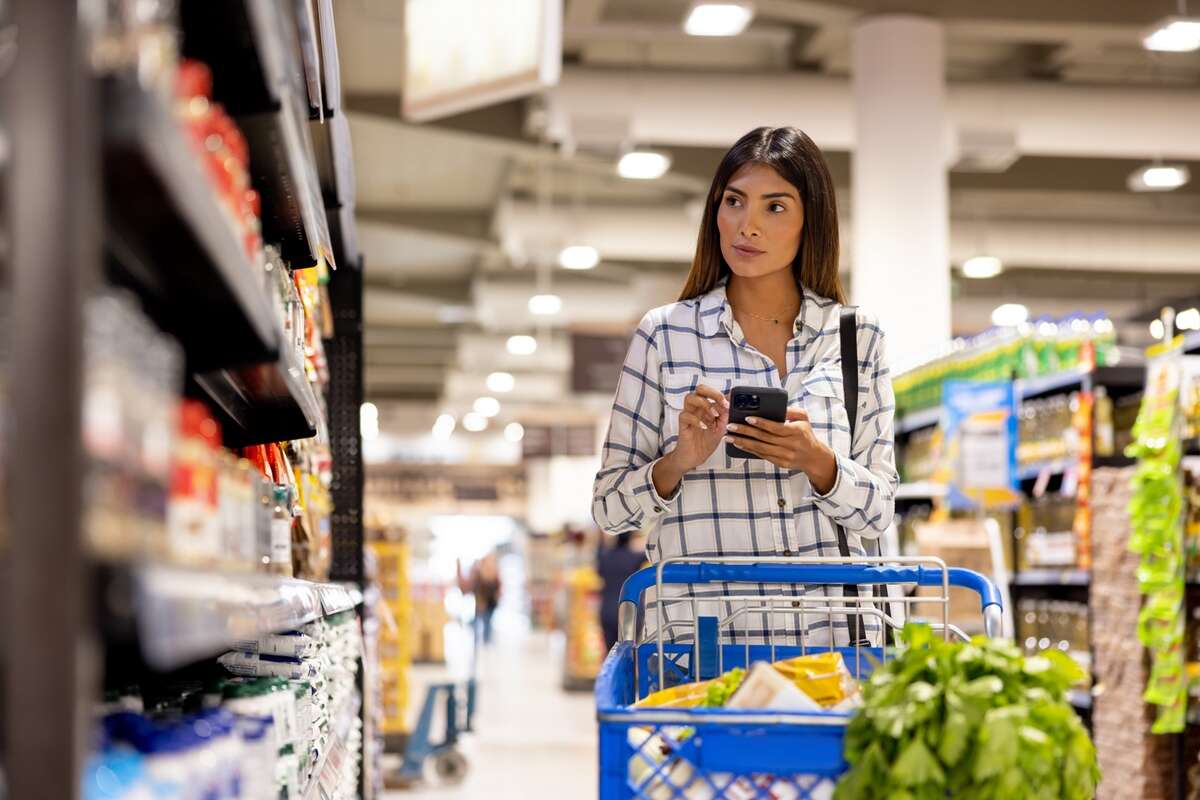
x=643 y=165
x=500 y=382
x=579 y=256
x=1188 y=320
x=1158 y=178
x=718 y=19
x=487 y=407
x=444 y=427
x=1010 y=315
x=1156 y=329
x=514 y=432
x=522 y=345
x=1174 y=35
x=475 y=422
x=545 y=304
x=981 y=267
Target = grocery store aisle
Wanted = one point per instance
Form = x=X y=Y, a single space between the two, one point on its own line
x=533 y=739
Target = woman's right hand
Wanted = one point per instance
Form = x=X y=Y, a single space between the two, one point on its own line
x=701 y=427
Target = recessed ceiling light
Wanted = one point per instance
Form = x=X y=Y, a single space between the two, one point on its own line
x=501 y=382
x=443 y=428
x=718 y=19
x=1010 y=315
x=545 y=304
x=522 y=345
x=1156 y=329
x=487 y=406
x=1158 y=178
x=981 y=267
x=1174 y=35
x=474 y=422
x=579 y=256
x=643 y=165
x=514 y=432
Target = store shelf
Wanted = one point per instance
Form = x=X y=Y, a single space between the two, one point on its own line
x=178 y=615
x=170 y=237
x=339 y=733
x=1049 y=384
x=310 y=58
x=1052 y=577
x=335 y=160
x=920 y=490
x=271 y=402
x=918 y=419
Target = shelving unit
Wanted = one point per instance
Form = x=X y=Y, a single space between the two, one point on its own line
x=1051 y=577
x=113 y=191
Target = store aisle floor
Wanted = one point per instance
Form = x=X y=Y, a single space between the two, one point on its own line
x=533 y=740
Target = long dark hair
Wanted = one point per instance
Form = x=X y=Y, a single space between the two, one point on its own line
x=799 y=161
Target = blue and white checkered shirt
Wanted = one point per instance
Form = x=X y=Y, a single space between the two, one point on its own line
x=737 y=507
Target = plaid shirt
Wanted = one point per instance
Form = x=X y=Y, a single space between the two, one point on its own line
x=737 y=507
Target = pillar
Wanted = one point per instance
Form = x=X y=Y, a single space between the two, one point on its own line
x=900 y=204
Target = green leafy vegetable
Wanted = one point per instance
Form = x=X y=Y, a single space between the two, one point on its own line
x=978 y=719
x=720 y=690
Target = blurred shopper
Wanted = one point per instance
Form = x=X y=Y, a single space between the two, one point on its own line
x=761 y=306
x=616 y=563
x=485 y=583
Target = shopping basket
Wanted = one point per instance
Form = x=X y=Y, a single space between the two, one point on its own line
x=695 y=754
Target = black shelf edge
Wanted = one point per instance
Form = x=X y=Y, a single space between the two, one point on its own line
x=179 y=615
x=1112 y=461
x=1052 y=577
x=310 y=59
x=330 y=61
x=169 y=234
x=283 y=171
x=335 y=160
x=271 y=402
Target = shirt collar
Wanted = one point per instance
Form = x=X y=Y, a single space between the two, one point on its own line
x=715 y=311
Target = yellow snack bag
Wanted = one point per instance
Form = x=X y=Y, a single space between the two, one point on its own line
x=687 y=695
x=822 y=676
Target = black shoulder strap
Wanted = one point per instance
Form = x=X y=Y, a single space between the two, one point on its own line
x=849 y=341
x=848 y=337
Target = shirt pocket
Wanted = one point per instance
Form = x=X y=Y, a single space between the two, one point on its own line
x=823 y=399
x=676 y=387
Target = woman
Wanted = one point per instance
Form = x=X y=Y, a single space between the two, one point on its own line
x=761 y=306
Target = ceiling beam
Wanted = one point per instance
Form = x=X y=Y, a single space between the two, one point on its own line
x=584 y=12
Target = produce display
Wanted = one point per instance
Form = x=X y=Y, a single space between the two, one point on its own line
x=1043 y=347
x=1156 y=511
x=974 y=719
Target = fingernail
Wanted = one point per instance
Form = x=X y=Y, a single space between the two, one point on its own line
x=703 y=427
x=728 y=440
x=716 y=414
x=732 y=426
x=752 y=420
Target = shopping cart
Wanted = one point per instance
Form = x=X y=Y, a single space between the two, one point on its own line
x=697 y=754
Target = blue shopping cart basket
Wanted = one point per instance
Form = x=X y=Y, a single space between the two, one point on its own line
x=696 y=754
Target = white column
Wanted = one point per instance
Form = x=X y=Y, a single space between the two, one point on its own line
x=900 y=214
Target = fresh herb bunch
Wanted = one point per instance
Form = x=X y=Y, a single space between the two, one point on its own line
x=978 y=720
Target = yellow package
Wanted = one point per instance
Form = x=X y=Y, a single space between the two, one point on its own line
x=687 y=695
x=821 y=676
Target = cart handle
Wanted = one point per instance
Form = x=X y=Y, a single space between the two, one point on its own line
x=821 y=574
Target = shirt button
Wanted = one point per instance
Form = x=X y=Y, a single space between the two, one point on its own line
x=795 y=604
x=788 y=553
x=658 y=509
x=782 y=503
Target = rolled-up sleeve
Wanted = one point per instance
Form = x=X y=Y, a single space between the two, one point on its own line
x=863 y=497
x=624 y=498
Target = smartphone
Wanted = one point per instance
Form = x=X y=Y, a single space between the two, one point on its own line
x=763 y=402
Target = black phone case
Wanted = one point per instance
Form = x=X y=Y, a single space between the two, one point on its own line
x=772 y=405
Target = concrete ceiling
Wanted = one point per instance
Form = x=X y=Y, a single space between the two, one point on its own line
x=460 y=218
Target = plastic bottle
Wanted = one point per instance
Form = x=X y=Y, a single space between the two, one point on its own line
x=281 y=532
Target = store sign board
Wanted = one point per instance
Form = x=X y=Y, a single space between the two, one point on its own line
x=544 y=441
x=979 y=449
x=467 y=54
x=596 y=362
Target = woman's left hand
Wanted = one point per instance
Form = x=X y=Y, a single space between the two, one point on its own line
x=791 y=445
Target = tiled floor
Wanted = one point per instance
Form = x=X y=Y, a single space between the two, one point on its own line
x=533 y=740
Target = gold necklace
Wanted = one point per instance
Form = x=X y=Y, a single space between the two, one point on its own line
x=773 y=320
